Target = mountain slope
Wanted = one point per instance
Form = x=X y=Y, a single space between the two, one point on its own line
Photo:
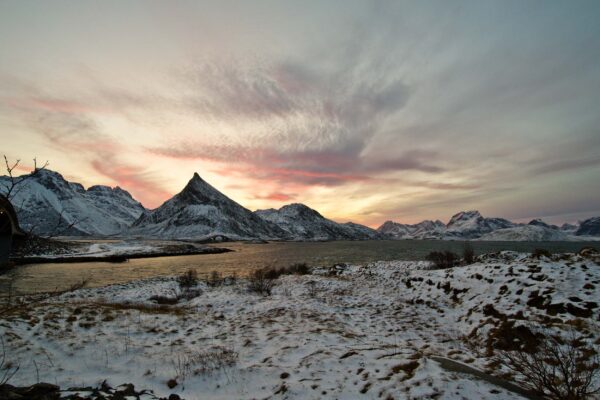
x=534 y=233
x=423 y=230
x=47 y=204
x=589 y=227
x=304 y=223
x=471 y=225
x=200 y=210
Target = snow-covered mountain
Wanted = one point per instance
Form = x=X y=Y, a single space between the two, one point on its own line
x=47 y=204
x=199 y=211
x=423 y=230
x=304 y=223
x=471 y=225
x=589 y=227
x=569 y=228
x=534 y=233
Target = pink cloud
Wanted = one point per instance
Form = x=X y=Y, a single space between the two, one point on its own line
x=276 y=196
x=134 y=179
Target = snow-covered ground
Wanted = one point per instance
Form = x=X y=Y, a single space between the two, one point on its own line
x=344 y=332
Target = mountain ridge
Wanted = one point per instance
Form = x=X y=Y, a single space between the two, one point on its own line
x=48 y=204
x=48 y=201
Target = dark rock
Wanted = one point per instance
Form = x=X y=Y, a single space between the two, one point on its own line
x=42 y=390
x=171 y=383
x=579 y=312
x=127 y=389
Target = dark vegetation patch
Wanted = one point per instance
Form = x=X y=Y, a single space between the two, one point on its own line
x=443 y=259
x=538 y=253
x=262 y=280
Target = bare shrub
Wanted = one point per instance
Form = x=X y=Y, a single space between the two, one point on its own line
x=7 y=368
x=468 y=254
x=443 y=259
x=297 y=269
x=262 y=281
x=164 y=299
x=231 y=279
x=558 y=368
x=312 y=290
x=215 y=279
x=200 y=362
x=537 y=253
x=9 y=190
x=189 y=294
x=188 y=279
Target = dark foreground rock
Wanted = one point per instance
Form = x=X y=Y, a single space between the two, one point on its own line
x=47 y=391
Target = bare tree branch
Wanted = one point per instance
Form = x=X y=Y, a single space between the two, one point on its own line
x=15 y=181
x=559 y=368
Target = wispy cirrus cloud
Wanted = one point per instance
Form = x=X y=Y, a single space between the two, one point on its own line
x=67 y=125
x=303 y=126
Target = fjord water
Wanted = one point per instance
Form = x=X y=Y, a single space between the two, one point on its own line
x=247 y=257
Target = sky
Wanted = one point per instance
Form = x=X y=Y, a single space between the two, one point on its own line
x=364 y=110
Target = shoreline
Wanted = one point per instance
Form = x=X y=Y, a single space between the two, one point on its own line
x=113 y=258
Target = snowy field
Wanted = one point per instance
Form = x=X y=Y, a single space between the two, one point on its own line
x=373 y=331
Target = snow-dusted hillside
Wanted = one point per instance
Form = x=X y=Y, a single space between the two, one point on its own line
x=199 y=211
x=47 y=204
x=376 y=331
x=304 y=223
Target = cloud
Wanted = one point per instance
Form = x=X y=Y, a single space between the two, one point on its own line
x=67 y=127
x=300 y=125
x=276 y=196
x=138 y=180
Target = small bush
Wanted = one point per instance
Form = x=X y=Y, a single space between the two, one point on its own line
x=164 y=300
x=215 y=279
x=537 y=253
x=468 y=254
x=189 y=294
x=298 y=269
x=188 y=279
x=443 y=259
x=558 y=368
x=312 y=289
x=201 y=362
x=261 y=281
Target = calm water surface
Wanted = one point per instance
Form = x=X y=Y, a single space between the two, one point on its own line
x=247 y=257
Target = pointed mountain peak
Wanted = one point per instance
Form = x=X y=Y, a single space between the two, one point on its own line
x=195 y=183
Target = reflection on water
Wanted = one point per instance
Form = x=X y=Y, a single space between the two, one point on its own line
x=246 y=257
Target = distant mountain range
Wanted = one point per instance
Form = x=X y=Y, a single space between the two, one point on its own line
x=47 y=204
x=471 y=225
